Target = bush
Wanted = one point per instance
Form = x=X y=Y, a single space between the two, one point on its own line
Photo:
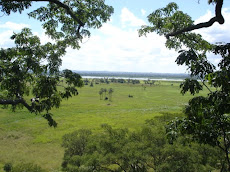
x=143 y=150
x=23 y=167
x=7 y=167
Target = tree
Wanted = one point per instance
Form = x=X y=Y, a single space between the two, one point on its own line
x=102 y=90
x=143 y=150
x=174 y=28
x=64 y=21
x=217 y=18
x=22 y=167
x=110 y=93
x=105 y=91
x=32 y=69
x=23 y=74
x=207 y=118
x=101 y=93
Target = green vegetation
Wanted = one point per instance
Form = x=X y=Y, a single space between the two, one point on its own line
x=23 y=167
x=125 y=135
x=27 y=138
x=142 y=150
x=22 y=74
x=66 y=22
x=31 y=68
x=207 y=118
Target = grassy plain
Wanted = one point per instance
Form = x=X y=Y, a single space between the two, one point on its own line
x=25 y=137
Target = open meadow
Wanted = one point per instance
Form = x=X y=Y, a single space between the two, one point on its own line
x=25 y=137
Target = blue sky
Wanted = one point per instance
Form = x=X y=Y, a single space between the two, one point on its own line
x=116 y=46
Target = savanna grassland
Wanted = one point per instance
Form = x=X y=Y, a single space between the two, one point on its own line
x=25 y=137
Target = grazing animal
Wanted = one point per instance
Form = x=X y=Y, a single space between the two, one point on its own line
x=130 y=96
x=106 y=98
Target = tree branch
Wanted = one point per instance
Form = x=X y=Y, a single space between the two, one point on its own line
x=66 y=7
x=203 y=82
x=218 y=18
x=16 y=102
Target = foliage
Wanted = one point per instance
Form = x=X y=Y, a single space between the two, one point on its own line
x=7 y=167
x=110 y=94
x=191 y=85
x=104 y=90
x=21 y=129
x=23 y=73
x=143 y=150
x=30 y=68
x=101 y=93
x=165 y=20
x=207 y=117
x=67 y=22
x=23 y=167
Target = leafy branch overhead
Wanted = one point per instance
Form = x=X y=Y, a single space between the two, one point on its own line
x=217 y=18
x=207 y=118
x=29 y=72
x=170 y=19
x=171 y=22
x=64 y=21
x=26 y=81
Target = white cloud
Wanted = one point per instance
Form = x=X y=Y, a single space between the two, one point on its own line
x=43 y=37
x=6 y=42
x=217 y=32
x=205 y=17
x=13 y=26
x=128 y=18
x=7 y=30
x=122 y=50
x=143 y=12
x=113 y=48
x=5 y=35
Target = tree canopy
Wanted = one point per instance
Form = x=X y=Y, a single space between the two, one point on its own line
x=66 y=21
x=30 y=73
x=207 y=118
x=217 y=18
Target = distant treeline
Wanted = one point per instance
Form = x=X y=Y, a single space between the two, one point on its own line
x=133 y=74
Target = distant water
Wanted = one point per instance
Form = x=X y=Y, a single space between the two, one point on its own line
x=133 y=75
x=155 y=79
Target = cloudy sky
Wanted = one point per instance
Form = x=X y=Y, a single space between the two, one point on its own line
x=116 y=46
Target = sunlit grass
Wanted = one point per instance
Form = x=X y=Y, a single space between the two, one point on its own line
x=25 y=137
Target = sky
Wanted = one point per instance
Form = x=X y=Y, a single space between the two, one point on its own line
x=116 y=46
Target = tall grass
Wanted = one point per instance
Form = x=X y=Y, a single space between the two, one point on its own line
x=25 y=137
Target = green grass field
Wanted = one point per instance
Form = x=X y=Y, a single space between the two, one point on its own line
x=25 y=137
